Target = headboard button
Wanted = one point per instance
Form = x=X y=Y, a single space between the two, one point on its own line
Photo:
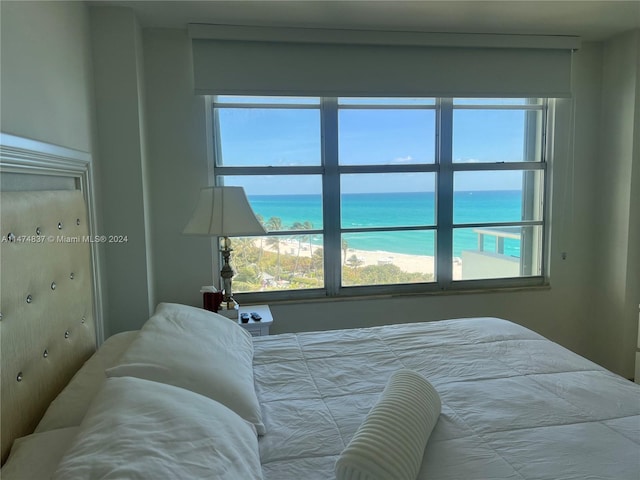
x=45 y=354
x=0 y=315
x=38 y=231
x=59 y=225
x=77 y=221
x=19 y=377
x=71 y=275
x=11 y=237
x=29 y=298
x=83 y=321
x=67 y=334
x=53 y=285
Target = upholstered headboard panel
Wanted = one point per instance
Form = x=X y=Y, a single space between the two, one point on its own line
x=46 y=324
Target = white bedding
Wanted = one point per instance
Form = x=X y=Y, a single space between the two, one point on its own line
x=198 y=350
x=138 y=429
x=514 y=405
x=70 y=406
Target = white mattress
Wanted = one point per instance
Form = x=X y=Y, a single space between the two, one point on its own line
x=514 y=405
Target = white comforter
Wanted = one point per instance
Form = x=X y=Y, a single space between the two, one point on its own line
x=514 y=405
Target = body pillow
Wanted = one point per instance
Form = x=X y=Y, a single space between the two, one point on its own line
x=390 y=443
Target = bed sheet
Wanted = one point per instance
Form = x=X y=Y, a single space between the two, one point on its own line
x=514 y=405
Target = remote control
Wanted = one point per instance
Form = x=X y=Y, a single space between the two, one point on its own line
x=256 y=317
x=244 y=317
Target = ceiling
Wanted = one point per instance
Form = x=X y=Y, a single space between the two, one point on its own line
x=592 y=20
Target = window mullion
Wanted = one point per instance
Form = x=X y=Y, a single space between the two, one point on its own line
x=331 y=195
x=444 y=255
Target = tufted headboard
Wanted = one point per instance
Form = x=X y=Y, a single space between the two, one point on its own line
x=46 y=323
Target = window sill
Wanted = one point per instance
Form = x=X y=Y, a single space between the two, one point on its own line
x=301 y=297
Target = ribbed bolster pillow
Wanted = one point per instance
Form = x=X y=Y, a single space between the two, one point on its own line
x=390 y=443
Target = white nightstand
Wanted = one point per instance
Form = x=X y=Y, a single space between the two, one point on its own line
x=257 y=329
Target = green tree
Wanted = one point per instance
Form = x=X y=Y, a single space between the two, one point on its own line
x=307 y=225
x=245 y=251
x=261 y=220
x=317 y=261
x=298 y=238
x=345 y=247
x=275 y=224
x=354 y=261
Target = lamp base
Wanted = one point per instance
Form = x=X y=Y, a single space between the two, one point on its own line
x=229 y=310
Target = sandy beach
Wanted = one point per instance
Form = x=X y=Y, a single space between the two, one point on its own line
x=407 y=263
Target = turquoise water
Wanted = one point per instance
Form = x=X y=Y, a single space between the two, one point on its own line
x=399 y=209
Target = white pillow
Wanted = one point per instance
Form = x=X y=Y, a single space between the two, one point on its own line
x=154 y=373
x=198 y=350
x=69 y=407
x=148 y=430
x=390 y=443
x=37 y=455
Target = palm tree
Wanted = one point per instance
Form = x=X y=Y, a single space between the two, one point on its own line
x=307 y=225
x=300 y=238
x=261 y=220
x=243 y=250
x=355 y=262
x=317 y=260
x=275 y=224
x=345 y=247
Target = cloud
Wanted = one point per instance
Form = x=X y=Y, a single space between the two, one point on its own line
x=406 y=159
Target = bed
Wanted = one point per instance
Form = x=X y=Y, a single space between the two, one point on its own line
x=192 y=395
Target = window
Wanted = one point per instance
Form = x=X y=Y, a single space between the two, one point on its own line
x=370 y=195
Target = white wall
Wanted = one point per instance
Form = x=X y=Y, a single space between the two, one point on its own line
x=617 y=289
x=116 y=42
x=177 y=165
x=634 y=229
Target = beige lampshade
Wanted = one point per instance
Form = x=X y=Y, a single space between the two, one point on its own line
x=223 y=212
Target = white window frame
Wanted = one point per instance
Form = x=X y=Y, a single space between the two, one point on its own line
x=444 y=168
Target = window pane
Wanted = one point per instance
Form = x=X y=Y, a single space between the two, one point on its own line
x=277 y=263
x=226 y=99
x=498 y=214
x=387 y=199
x=283 y=202
x=497 y=136
x=268 y=136
x=386 y=101
x=383 y=258
x=496 y=252
x=386 y=137
x=497 y=196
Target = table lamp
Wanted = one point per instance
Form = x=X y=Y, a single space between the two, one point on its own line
x=224 y=212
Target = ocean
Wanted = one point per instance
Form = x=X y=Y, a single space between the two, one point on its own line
x=400 y=209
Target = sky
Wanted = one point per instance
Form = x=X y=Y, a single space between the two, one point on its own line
x=281 y=137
